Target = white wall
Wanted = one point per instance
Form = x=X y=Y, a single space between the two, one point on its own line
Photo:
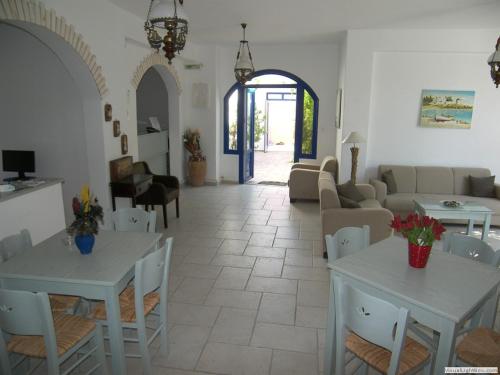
x=316 y=64
x=41 y=110
x=152 y=101
x=385 y=71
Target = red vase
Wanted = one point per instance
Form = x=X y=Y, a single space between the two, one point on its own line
x=418 y=255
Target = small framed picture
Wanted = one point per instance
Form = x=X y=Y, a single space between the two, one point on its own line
x=124 y=142
x=108 y=112
x=116 y=128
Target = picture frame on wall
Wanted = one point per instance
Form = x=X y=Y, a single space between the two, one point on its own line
x=124 y=144
x=116 y=128
x=338 y=112
x=447 y=109
x=108 y=112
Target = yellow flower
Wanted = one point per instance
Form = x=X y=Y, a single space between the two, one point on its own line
x=85 y=195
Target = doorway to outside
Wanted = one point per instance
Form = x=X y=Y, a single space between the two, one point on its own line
x=270 y=122
x=274 y=134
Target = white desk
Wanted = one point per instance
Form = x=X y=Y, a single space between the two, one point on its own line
x=441 y=296
x=55 y=268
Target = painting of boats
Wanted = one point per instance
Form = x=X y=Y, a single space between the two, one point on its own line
x=447 y=109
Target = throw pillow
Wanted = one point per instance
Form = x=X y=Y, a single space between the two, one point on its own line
x=349 y=190
x=390 y=181
x=348 y=203
x=482 y=186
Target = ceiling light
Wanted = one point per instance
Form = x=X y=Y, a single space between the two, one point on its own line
x=494 y=63
x=166 y=25
x=244 y=69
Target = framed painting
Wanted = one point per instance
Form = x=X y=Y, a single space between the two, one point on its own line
x=338 y=113
x=447 y=109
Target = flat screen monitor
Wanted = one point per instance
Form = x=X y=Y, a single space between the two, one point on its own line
x=18 y=161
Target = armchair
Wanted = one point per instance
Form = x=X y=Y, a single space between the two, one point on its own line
x=303 y=182
x=162 y=191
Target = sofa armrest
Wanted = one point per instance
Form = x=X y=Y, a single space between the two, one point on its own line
x=380 y=190
x=378 y=219
x=367 y=190
x=306 y=166
x=303 y=184
x=497 y=191
x=168 y=181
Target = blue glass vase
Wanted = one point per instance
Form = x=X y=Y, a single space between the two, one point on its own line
x=85 y=243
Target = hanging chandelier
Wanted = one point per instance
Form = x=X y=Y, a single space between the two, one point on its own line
x=166 y=25
x=494 y=63
x=243 y=69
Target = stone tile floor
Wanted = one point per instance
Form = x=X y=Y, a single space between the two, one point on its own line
x=248 y=289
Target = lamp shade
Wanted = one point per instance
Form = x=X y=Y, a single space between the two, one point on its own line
x=354 y=137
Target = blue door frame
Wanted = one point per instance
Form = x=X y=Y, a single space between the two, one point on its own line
x=245 y=146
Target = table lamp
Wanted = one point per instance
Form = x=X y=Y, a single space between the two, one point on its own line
x=354 y=138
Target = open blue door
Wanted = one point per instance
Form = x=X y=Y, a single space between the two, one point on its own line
x=246 y=135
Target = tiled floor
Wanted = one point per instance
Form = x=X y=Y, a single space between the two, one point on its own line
x=272 y=166
x=248 y=285
x=248 y=290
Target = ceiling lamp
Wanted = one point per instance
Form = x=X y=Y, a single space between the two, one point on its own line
x=494 y=62
x=166 y=25
x=243 y=69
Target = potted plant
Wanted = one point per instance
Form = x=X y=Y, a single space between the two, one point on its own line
x=421 y=232
x=87 y=214
x=197 y=164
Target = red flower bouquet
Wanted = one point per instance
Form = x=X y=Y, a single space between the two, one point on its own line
x=421 y=232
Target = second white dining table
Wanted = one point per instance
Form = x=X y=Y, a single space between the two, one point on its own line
x=442 y=296
x=53 y=267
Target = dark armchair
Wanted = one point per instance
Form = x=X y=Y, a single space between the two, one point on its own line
x=164 y=190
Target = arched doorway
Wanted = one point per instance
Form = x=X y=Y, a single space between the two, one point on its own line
x=161 y=70
x=54 y=106
x=275 y=112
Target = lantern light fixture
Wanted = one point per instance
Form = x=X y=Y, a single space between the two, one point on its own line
x=244 y=69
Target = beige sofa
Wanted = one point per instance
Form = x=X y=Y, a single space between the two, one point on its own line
x=303 y=182
x=334 y=217
x=433 y=183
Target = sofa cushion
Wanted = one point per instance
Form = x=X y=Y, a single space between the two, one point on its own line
x=434 y=180
x=370 y=203
x=350 y=191
x=461 y=178
x=328 y=197
x=348 y=203
x=400 y=202
x=482 y=186
x=390 y=181
x=405 y=176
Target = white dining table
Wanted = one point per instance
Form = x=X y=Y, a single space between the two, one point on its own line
x=55 y=267
x=442 y=296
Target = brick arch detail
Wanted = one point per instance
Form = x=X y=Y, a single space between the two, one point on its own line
x=152 y=60
x=35 y=12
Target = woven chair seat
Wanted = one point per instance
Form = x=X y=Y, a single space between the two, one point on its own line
x=127 y=305
x=70 y=329
x=480 y=348
x=62 y=303
x=413 y=354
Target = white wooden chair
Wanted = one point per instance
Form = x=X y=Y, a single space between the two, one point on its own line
x=136 y=303
x=347 y=241
x=374 y=330
x=28 y=328
x=471 y=247
x=134 y=220
x=18 y=243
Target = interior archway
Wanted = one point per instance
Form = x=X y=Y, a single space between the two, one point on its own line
x=66 y=122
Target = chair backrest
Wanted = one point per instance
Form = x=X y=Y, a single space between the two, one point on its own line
x=347 y=241
x=471 y=247
x=373 y=319
x=29 y=314
x=15 y=244
x=134 y=220
x=151 y=272
x=141 y=167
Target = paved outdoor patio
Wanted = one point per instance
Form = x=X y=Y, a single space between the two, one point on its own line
x=272 y=166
